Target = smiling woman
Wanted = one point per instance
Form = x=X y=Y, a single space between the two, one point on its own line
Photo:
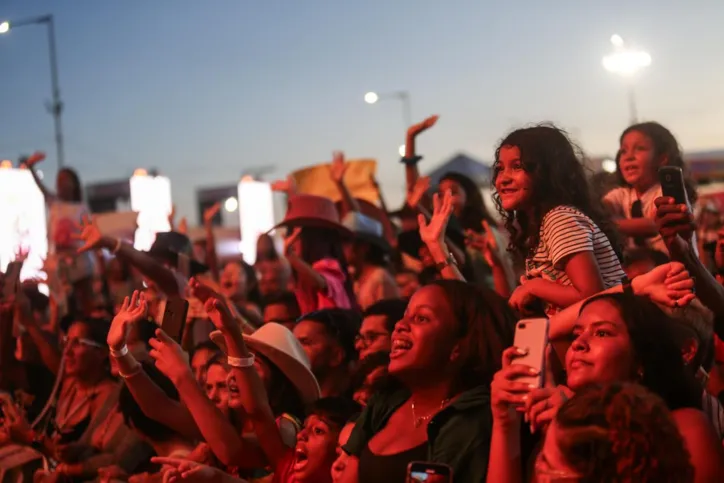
x=444 y=352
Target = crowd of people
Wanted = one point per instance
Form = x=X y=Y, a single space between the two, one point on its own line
x=376 y=339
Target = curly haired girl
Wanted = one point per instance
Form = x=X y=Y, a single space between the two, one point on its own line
x=568 y=243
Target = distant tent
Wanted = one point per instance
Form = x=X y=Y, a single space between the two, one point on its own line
x=463 y=164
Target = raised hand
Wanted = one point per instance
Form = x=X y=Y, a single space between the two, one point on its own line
x=34 y=159
x=170 y=357
x=338 y=167
x=669 y=285
x=172 y=217
x=220 y=314
x=211 y=212
x=414 y=196
x=434 y=231
x=183 y=226
x=485 y=243
x=288 y=186
x=507 y=394
x=89 y=234
x=672 y=220
x=416 y=129
x=202 y=291
x=132 y=310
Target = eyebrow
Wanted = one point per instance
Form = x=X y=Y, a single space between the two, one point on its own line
x=598 y=323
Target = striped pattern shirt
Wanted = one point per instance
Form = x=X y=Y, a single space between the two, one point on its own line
x=565 y=231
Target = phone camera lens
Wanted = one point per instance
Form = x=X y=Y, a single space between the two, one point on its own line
x=521 y=325
x=668 y=178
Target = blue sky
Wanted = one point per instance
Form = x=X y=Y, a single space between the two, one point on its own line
x=203 y=90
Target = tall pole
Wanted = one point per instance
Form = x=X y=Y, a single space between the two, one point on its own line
x=633 y=112
x=406 y=108
x=56 y=105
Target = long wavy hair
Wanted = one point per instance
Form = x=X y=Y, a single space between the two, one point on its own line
x=665 y=146
x=475 y=210
x=553 y=161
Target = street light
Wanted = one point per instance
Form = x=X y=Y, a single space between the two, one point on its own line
x=627 y=62
x=55 y=106
x=404 y=98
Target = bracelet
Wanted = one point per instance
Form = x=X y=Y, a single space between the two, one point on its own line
x=121 y=353
x=134 y=372
x=119 y=244
x=240 y=362
x=411 y=161
x=449 y=261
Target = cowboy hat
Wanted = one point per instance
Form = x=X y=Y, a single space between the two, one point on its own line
x=278 y=345
x=169 y=245
x=366 y=229
x=312 y=211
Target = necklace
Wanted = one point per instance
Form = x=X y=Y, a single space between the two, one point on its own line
x=417 y=421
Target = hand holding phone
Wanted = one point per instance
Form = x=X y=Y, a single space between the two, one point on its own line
x=672 y=184
x=174 y=317
x=531 y=335
x=11 y=284
x=423 y=471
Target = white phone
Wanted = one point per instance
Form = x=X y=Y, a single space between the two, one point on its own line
x=532 y=335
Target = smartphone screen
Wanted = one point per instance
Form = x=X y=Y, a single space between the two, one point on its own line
x=672 y=184
x=532 y=336
x=419 y=471
x=174 y=317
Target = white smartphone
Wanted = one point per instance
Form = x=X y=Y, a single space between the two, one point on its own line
x=532 y=336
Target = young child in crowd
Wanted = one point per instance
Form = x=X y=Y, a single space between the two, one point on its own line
x=644 y=148
x=569 y=246
x=318 y=442
x=314 y=249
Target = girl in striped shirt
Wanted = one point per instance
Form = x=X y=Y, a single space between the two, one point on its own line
x=568 y=243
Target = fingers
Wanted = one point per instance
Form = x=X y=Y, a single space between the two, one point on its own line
x=163 y=337
x=663 y=201
x=511 y=353
x=124 y=305
x=435 y=204
x=421 y=221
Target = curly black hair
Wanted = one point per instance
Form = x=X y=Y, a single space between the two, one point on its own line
x=621 y=432
x=665 y=146
x=554 y=162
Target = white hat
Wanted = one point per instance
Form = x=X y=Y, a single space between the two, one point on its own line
x=277 y=344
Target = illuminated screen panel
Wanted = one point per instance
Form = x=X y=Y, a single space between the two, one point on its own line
x=151 y=199
x=256 y=215
x=22 y=221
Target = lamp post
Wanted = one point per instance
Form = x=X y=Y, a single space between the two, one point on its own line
x=55 y=106
x=404 y=98
x=627 y=62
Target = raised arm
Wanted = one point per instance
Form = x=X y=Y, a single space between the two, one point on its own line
x=433 y=235
x=30 y=162
x=252 y=392
x=411 y=158
x=337 y=170
x=211 y=260
x=147 y=265
x=152 y=399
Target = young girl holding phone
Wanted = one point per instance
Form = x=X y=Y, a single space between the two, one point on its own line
x=568 y=244
x=644 y=148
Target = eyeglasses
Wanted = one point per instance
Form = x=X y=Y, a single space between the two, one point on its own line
x=75 y=341
x=369 y=338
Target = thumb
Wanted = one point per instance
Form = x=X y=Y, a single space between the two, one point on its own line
x=523 y=279
x=163 y=336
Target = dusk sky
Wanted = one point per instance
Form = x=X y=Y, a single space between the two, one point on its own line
x=203 y=90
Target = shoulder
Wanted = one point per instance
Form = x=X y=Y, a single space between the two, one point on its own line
x=561 y=217
x=617 y=195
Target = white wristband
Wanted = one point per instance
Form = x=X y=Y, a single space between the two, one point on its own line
x=121 y=353
x=240 y=361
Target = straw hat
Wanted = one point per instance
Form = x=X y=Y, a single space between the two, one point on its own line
x=278 y=345
x=313 y=211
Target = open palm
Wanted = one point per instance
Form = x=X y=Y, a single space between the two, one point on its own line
x=338 y=167
x=434 y=231
x=133 y=309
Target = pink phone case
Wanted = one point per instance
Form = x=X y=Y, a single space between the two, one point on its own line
x=532 y=335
